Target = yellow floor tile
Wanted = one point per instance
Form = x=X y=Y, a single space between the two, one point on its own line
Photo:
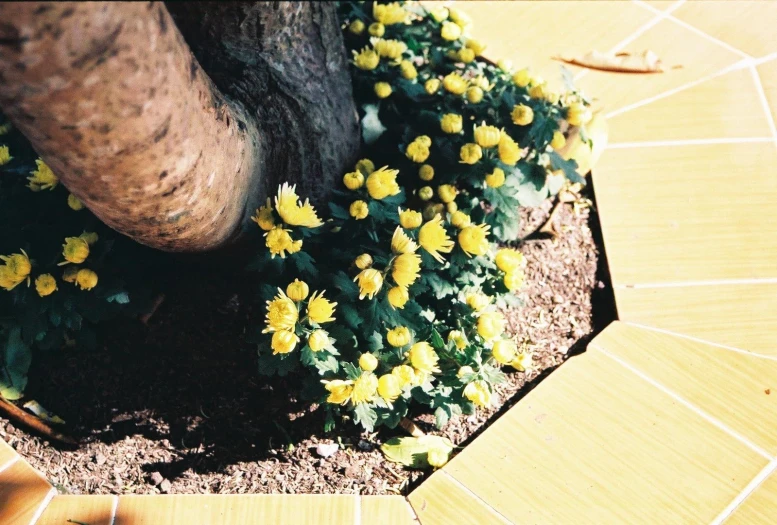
x=737 y=389
x=725 y=106
x=768 y=74
x=92 y=510
x=212 y=508
x=760 y=507
x=661 y=5
x=747 y=25
x=594 y=443
x=7 y=453
x=740 y=315
x=441 y=500
x=22 y=492
x=688 y=213
x=531 y=33
x=386 y=510
x=675 y=45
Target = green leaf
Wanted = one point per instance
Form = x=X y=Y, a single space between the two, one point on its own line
x=412 y=452
x=569 y=167
x=375 y=342
x=120 y=298
x=437 y=340
x=365 y=416
x=16 y=359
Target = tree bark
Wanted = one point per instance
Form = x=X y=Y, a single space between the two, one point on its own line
x=112 y=98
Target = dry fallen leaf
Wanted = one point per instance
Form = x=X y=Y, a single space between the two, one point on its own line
x=646 y=62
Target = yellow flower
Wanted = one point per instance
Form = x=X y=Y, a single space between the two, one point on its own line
x=437 y=457
x=458 y=338
x=426 y=172
x=398 y=337
x=388 y=387
x=522 y=362
x=424 y=140
x=417 y=152
x=359 y=210
x=463 y=371
x=430 y=210
x=434 y=239
x=491 y=325
x=5 y=155
x=282 y=314
x=74 y=203
x=559 y=141
x=283 y=341
x=522 y=78
x=451 y=123
x=377 y=29
x=459 y=219
x=370 y=281
x=474 y=94
x=481 y=82
x=470 y=153
x=5 y=128
x=405 y=269
x=292 y=212
x=465 y=55
x=479 y=393
x=382 y=183
x=86 y=279
x=42 y=178
x=366 y=60
x=450 y=31
x=447 y=193
x=339 y=391
x=496 y=178
x=522 y=115
x=90 y=237
x=75 y=250
x=432 y=85
x=278 y=241
x=383 y=89
x=474 y=239
x=539 y=91
x=365 y=166
x=364 y=388
x=504 y=351
x=478 y=301
x=423 y=357
x=391 y=49
x=8 y=279
x=356 y=27
x=264 y=217
x=476 y=45
x=451 y=207
x=398 y=297
x=318 y=340
x=19 y=264
x=504 y=65
x=363 y=261
x=297 y=290
x=407 y=70
x=368 y=362
x=401 y=243
x=509 y=259
x=320 y=309
x=487 y=136
x=389 y=14
x=458 y=16
x=509 y=152
x=405 y=375
x=410 y=219
x=439 y=13
x=553 y=97
x=514 y=280
x=453 y=83
x=69 y=275
x=425 y=193
x=578 y=114
x=353 y=180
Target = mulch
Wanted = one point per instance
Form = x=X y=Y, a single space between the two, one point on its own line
x=178 y=407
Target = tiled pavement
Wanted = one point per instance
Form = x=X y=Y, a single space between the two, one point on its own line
x=671 y=414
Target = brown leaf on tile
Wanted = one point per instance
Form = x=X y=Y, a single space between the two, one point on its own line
x=622 y=62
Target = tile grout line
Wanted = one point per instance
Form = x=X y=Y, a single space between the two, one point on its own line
x=43 y=504
x=357 y=510
x=764 y=102
x=708 y=36
x=413 y=513
x=749 y=489
x=701 y=341
x=114 y=509
x=478 y=498
x=9 y=463
x=713 y=282
x=689 y=142
x=698 y=411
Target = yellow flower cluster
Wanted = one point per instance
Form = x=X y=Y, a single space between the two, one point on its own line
x=292 y=212
x=511 y=262
x=418 y=150
x=282 y=318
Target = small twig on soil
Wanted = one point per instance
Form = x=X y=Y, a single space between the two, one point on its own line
x=411 y=427
x=16 y=414
x=154 y=307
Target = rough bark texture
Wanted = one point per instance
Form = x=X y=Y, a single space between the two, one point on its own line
x=112 y=98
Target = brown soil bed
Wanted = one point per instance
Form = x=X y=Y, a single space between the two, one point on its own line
x=177 y=406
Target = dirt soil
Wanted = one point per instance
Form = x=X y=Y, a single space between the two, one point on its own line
x=178 y=407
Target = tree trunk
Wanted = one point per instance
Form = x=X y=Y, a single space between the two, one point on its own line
x=113 y=99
